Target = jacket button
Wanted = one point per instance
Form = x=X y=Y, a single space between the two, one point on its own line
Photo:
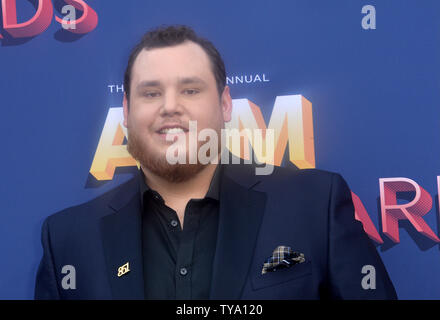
x=183 y=271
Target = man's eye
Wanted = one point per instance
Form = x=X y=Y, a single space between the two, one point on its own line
x=152 y=94
x=190 y=91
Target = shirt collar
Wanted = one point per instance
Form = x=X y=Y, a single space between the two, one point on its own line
x=213 y=190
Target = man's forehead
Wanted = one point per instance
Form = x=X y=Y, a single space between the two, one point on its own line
x=186 y=56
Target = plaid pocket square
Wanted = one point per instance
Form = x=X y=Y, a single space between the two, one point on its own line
x=282 y=257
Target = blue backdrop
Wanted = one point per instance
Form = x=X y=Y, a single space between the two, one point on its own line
x=375 y=96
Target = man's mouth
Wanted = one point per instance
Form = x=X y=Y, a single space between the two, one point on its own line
x=173 y=130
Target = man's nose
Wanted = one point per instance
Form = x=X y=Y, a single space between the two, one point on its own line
x=171 y=104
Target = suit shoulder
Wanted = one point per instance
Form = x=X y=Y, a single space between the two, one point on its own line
x=95 y=208
x=284 y=173
x=303 y=181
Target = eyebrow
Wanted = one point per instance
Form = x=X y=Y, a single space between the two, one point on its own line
x=192 y=80
x=157 y=83
x=148 y=83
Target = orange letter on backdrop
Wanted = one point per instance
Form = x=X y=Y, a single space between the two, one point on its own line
x=111 y=153
x=291 y=120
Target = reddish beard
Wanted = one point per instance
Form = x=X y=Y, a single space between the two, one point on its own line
x=158 y=164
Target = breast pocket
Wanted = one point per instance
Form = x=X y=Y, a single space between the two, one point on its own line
x=279 y=276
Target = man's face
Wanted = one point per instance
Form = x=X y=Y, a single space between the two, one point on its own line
x=169 y=87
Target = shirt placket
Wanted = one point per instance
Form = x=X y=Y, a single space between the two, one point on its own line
x=184 y=263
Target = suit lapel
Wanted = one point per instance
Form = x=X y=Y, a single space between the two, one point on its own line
x=240 y=215
x=122 y=242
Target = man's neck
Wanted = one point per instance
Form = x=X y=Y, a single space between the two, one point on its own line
x=194 y=188
x=177 y=195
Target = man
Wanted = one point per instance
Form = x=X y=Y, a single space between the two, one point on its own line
x=204 y=231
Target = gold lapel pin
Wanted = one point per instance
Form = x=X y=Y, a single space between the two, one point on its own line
x=123 y=269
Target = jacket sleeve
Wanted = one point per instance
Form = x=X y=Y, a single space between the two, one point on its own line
x=46 y=283
x=355 y=269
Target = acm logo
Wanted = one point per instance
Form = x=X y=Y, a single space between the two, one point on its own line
x=42 y=18
x=291 y=120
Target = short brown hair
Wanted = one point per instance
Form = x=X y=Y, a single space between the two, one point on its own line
x=168 y=36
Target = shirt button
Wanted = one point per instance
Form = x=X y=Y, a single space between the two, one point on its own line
x=183 y=271
x=174 y=223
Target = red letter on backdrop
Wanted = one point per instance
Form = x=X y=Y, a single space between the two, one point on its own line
x=88 y=20
x=413 y=211
x=36 y=25
x=361 y=215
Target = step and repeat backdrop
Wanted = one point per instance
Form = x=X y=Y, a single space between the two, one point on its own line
x=351 y=86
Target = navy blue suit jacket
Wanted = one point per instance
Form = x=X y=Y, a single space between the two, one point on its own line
x=310 y=211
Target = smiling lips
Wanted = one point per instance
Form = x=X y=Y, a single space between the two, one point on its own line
x=171 y=129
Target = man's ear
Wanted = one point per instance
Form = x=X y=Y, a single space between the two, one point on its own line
x=125 y=108
x=226 y=102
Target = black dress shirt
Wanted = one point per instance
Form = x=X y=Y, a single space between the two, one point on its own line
x=178 y=262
